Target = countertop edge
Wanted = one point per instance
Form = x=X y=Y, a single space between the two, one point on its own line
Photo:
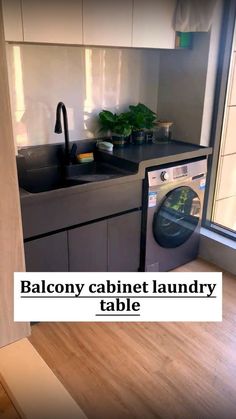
x=26 y=196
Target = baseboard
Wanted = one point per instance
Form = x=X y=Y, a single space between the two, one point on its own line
x=217 y=249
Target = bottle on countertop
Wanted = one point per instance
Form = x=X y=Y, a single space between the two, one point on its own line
x=162 y=132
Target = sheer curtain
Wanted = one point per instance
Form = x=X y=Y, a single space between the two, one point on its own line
x=194 y=15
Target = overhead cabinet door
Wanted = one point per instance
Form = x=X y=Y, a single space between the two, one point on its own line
x=12 y=20
x=51 y=21
x=107 y=22
x=153 y=23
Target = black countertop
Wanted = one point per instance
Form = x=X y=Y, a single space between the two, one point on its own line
x=82 y=203
x=134 y=159
x=137 y=154
x=140 y=157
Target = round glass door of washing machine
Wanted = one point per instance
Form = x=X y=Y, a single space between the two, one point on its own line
x=177 y=217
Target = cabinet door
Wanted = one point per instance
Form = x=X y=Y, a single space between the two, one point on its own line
x=88 y=248
x=12 y=20
x=48 y=254
x=153 y=23
x=107 y=22
x=53 y=21
x=124 y=234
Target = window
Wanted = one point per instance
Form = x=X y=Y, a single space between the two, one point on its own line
x=224 y=206
x=221 y=213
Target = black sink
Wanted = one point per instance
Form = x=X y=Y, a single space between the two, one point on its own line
x=95 y=170
x=45 y=185
x=50 y=178
x=47 y=179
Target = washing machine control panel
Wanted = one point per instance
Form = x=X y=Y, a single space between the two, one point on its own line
x=177 y=173
x=164 y=176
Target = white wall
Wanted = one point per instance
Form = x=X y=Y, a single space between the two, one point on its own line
x=85 y=79
x=182 y=88
x=187 y=84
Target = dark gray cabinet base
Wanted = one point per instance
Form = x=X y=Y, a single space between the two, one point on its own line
x=109 y=245
x=47 y=254
x=88 y=248
x=124 y=242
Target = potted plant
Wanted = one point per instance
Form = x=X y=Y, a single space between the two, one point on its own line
x=115 y=125
x=142 y=119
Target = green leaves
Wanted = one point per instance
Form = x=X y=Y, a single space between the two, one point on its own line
x=141 y=117
x=137 y=118
x=107 y=119
x=118 y=124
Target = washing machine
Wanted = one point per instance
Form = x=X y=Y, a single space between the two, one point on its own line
x=172 y=212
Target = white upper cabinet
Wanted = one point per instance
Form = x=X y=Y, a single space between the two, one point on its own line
x=51 y=21
x=127 y=23
x=153 y=23
x=12 y=20
x=107 y=22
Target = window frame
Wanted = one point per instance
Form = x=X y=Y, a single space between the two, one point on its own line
x=221 y=89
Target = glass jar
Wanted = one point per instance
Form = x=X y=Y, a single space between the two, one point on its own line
x=162 y=132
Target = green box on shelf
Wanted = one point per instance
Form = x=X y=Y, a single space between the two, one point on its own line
x=185 y=39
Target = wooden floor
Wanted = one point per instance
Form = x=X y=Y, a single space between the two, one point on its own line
x=7 y=410
x=147 y=370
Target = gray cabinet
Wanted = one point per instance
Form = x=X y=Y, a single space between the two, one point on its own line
x=93 y=237
x=124 y=242
x=88 y=248
x=71 y=206
x=47 y=254
x=111 y=245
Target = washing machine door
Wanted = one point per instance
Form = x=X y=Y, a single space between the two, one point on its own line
x=177 y=217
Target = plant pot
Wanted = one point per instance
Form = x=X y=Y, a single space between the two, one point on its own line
x=138 y=137
x=119 y=140
x=148 y=135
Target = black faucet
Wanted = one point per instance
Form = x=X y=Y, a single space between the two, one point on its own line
x=58 y=128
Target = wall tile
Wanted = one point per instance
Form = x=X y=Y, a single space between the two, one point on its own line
x=85 y=79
